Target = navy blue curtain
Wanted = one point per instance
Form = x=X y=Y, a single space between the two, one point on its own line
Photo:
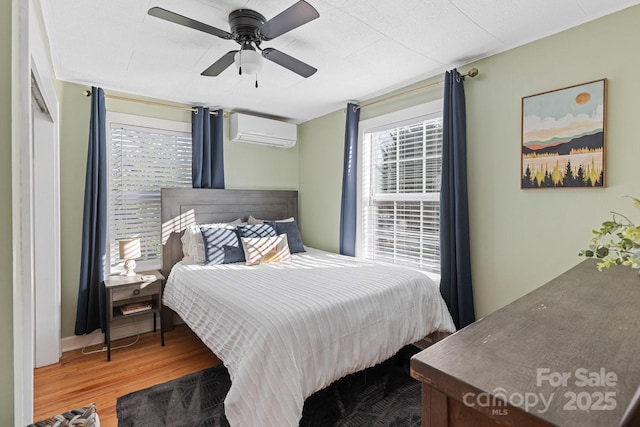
x=348 y=207
x=90 y=314
x=207 y=144
x=455 y=258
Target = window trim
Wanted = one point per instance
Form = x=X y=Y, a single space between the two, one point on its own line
x=139 y=121
x=395 y=118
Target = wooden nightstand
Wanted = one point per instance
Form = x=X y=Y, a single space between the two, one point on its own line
x=123 y=292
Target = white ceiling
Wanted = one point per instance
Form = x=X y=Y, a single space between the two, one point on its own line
x=362 y=48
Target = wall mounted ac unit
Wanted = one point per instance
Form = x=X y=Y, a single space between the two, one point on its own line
x=258 y=130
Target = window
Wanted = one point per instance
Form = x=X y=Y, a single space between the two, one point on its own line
x=145 y=155
x=401 y=169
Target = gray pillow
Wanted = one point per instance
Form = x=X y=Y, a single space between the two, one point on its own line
x=290 y=228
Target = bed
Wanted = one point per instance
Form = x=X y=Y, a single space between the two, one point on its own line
x=285 y=330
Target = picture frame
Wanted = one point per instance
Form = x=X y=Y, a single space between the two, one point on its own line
x=563 y=137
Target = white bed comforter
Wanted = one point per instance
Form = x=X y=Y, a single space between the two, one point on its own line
x=287 y=330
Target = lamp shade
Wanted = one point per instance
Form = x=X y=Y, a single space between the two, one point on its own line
x=129 y=248
x=249 y=60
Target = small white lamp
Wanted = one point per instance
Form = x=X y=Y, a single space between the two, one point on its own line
x=129 y=249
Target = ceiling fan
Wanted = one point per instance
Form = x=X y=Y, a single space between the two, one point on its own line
x=249 y=29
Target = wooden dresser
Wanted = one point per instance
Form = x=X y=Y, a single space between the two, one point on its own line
x=566 y=354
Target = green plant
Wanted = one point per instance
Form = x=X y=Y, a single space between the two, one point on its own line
x=616 y=242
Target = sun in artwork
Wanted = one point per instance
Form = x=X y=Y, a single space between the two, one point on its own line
x=583 y=98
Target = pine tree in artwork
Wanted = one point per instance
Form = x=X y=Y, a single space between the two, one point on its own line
x=592 y=171
x=548 y=181
x=568 y=180
x=526 y=179
x=556 y=175
x=579 y=181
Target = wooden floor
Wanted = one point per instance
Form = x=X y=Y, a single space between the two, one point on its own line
x=78 y=380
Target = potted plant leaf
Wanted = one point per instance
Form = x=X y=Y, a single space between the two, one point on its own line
x=616 y=242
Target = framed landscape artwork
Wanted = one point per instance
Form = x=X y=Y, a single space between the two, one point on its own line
x=563 y=137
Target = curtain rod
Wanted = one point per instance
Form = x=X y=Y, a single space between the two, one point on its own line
x=471 y=73
x=158 y=104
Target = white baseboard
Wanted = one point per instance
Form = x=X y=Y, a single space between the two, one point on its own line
x=123 y=330
x=137 y=326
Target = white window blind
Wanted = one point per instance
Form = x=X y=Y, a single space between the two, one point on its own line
x=401 y=192
x=143 y=160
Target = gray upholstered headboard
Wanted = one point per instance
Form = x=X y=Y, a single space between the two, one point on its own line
x=185 y=206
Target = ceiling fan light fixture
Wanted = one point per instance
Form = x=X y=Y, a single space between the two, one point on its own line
x=249 y=29
x=248 y=60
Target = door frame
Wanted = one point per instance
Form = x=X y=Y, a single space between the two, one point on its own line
x=30 y=56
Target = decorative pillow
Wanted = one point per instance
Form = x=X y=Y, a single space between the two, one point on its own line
x=221 y=245
x=257 y=230
x=192 y=244
x=293 y=234
x=253 y=220
x=265 y=250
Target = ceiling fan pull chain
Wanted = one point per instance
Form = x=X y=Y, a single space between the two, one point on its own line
x=256 y=80
x=240 y=67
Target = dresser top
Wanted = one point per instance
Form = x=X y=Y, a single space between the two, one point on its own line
x=567 y=352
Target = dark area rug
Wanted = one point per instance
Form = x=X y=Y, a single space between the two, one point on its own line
x=384 y=395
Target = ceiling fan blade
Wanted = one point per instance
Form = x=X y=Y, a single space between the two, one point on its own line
x=289 y=62
x=220 y=65
x=167 y=15
x=298 y=14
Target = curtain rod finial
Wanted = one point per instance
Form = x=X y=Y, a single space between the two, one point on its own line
x=471 y=73
x=87 y=93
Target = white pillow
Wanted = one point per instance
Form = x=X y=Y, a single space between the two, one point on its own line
x=253 y=221
x=265 y=250
x=192 y=243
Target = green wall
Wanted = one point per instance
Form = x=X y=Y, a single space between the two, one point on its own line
x=6 y=282
x=246 y=166
x=523 y=238
x=74 y=136
x=520 y=239
x=321 y=144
